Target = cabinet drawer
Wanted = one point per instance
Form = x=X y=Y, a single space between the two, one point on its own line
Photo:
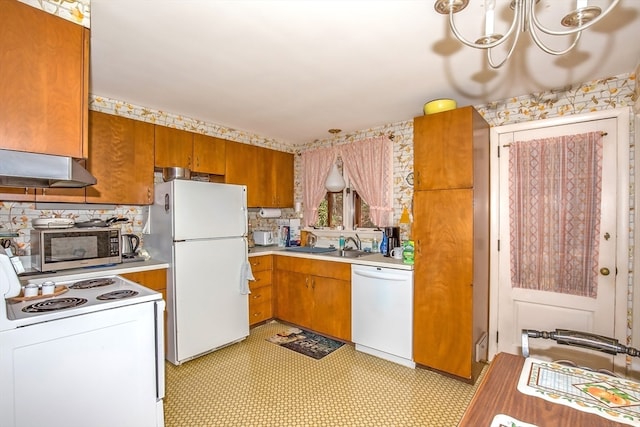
x=260 y=305
x=260 y=295
x=261 y=263
x=334 y=270
x=260 y=312
x=263 y=278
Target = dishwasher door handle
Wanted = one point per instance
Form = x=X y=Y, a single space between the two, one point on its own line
x=384 y=276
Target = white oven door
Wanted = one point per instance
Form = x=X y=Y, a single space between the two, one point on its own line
x=97 y=369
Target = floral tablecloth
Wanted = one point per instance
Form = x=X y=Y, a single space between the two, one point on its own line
x=616 y=399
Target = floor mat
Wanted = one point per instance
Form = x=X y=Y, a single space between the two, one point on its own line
x=305 y=342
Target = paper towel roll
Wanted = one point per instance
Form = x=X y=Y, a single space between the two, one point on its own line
x=270 y=213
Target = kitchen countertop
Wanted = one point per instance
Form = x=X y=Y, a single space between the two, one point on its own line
x=374 y=260
x=92 y=272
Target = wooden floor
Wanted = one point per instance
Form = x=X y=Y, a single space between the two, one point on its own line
x=258 y=383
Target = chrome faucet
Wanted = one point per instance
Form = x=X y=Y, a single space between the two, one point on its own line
x=356 y=241
x=312 y=239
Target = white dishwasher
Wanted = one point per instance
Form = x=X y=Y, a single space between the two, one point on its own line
x=382 y=312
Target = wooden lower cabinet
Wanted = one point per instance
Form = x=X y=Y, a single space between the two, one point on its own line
x=314 y=294
x=156 y=280
x=260 y=298
x=443 y=294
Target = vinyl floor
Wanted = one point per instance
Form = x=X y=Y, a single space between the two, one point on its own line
x=258 y=383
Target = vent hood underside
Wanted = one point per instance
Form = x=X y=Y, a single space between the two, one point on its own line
x=22 y=169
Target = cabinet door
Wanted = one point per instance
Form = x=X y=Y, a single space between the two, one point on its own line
x=282 y=178
x=208 y=154
x=245 y=164
x=121 y=159
x=173 y=147
x=43 y=82
x=66 y=195
x=443 y=149
x=294 y=298
x=18 y=194
x=443 y=288
x=332 y=307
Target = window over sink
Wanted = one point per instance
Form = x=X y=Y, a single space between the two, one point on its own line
x=345 y=208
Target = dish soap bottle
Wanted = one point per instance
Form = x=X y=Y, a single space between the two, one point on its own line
x=341 y=242
x=383 y=244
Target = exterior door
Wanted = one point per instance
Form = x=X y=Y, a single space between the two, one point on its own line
x=518 y=308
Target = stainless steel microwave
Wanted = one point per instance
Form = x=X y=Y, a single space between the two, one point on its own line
x=60 y=249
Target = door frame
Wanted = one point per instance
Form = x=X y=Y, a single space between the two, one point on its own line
x=622 y=116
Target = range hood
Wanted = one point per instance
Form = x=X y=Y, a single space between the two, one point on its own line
x=21 y=169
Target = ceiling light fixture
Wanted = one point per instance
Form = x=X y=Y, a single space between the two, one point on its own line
x=524 y=19
x=334 y=182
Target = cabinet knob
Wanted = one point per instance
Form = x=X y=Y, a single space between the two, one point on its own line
x=605 y=271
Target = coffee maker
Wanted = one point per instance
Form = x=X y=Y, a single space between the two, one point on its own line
x=393 y=239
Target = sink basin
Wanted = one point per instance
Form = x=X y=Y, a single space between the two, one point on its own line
x=349 y=254
x=310 y=250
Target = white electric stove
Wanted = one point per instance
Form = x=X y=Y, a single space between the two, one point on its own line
x=77 y=297
x=99 y=340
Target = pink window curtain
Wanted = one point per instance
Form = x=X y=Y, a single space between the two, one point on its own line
x=369 y=165
x=315 y=168
x=554 y=209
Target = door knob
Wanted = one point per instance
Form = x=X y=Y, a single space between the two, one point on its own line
x=604 y=271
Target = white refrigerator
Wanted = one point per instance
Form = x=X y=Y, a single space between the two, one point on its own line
x=200 y=228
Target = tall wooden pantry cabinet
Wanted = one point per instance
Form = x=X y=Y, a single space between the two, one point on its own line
x=451 y=232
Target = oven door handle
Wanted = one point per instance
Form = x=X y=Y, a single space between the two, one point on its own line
x=160 y=379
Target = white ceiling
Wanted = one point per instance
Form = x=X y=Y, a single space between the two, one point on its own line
x=292 y=69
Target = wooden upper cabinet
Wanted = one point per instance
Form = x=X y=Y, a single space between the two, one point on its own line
x=245 y=164
x=197 y=152
x=18 y=194
x=173 y=147
x=442 y=151
x=121 y=159
x=209 y=154
x=43 y=82
x=268 y=174
x=282 y=178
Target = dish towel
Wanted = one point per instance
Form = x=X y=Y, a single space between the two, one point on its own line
x=245 y=276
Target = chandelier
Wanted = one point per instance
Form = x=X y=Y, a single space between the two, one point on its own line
x=524 y=20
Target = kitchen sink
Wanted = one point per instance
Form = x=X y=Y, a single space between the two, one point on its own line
x=310 y=250
x=349 y=253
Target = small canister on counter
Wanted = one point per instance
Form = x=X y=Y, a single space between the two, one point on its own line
x=30 y=290
x=408 y=250
x=48 y=288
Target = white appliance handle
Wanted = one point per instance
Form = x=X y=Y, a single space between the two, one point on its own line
x=380 y=275
x=160 y=379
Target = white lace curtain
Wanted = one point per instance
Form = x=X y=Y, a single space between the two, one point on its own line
x=368 y=164
x=315 y=168
x=554 y=208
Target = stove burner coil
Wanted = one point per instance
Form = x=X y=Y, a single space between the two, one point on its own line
x=54 y=304
x=92 y=283
x=119 y=294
